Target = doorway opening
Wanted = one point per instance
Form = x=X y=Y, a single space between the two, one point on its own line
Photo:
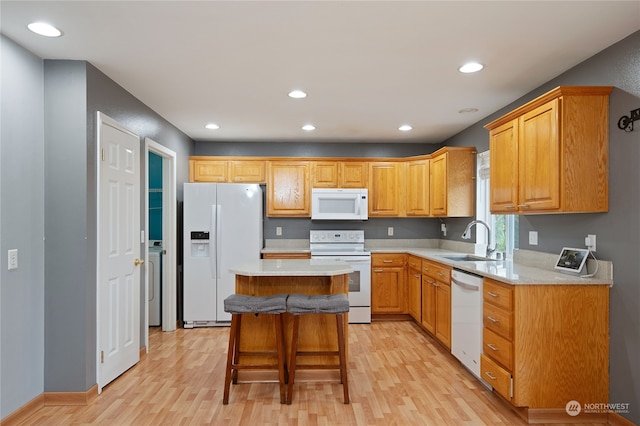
x=160 y=223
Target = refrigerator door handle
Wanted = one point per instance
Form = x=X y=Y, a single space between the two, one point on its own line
x=213 y=246
x=218 y=241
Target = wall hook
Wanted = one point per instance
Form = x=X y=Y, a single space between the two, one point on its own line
x=626 y=122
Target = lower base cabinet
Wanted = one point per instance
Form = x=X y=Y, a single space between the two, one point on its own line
x=546 y=345
x=388 y=284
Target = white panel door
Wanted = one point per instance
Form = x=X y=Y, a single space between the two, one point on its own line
x=118 y=250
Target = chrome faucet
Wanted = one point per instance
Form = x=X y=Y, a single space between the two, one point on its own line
x=467 y=234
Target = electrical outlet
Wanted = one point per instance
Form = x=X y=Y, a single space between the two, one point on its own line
x=590 y=242
x=533 y=238
x=443 y=228
x=12 y=259
x=390 y=231
x=278 y=230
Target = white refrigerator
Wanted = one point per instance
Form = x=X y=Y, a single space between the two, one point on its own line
x=222 y=228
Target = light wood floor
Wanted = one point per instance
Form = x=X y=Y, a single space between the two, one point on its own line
x=398 y=375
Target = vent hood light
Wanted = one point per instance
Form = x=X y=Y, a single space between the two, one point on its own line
x=405 y=128
x=212 y=126
x=297 y=94
x=44 y=29
x=470 y=67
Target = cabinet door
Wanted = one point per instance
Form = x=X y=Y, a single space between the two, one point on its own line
x=384 y=189
x=324 y=174
x=353 y=174
x=438 y=185
x=503 y=151
x=387 y=291
x=443 y=314
x=414 y=299
x=539 y=159
x=209 y=171
x=247 y=171
x=417 y=181
x=429 y=304
x=288 y=192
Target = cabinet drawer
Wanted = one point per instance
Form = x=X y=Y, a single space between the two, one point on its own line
x=387 y=260
x=439 y=272
x=498 y=320
x=498 y=348
x=498 y=294
x=414 y=262
x=496 y=376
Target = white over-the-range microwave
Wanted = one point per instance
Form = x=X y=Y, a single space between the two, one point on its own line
x=339 y=204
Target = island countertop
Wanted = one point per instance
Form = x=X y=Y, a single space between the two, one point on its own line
x=291 y=268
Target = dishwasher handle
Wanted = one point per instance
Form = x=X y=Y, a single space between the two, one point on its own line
x=465 y=285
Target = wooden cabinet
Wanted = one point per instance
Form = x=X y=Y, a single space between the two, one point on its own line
x=388 y=283
x=417 y=182
x=208 y=171
x=451 y=182
x=339 y=174
x=552 y=154
x=545 y=345
x=414 y=288
x=247 y=171
x=385 y=188
x=203 y=169
x=436 y=300
x=288 y=188
x=286 y=255
x=353 y=174
x=324 y=174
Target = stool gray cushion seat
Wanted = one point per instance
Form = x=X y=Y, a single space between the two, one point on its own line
x=244 y=304
x=298 y=304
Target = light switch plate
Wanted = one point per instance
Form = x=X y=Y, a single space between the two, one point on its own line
x=12 y=259
x=533 y=238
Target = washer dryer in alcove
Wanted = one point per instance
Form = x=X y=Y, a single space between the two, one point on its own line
x=155 y=286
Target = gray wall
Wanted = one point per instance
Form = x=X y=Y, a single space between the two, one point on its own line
x=48 y=179
x=21 y=227
x=618 y=231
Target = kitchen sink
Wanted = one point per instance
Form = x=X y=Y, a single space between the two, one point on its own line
x=468 y=258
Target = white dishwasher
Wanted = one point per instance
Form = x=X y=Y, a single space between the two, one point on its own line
x=466 y=319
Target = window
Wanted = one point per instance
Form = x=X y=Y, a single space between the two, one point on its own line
x=504 y=227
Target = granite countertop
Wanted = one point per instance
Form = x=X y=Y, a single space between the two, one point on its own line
x=508 y=271
x=291 y=268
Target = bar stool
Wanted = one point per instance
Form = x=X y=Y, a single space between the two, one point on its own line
x=238 y=305
x=300 y=304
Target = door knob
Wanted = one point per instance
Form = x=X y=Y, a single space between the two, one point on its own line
x=138 y=262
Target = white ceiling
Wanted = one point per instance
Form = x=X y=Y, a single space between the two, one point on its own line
x=368 y=67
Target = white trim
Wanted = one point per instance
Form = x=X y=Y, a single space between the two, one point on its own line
x=169 y=236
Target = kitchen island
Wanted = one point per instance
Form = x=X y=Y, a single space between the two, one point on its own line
x=317 y=332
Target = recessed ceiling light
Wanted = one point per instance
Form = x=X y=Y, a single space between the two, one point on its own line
x=297 y=94
x=308 y=127
x=405 y=128
x=470 y=67
x=467 y=110
x=212 y=126
x=44 y=29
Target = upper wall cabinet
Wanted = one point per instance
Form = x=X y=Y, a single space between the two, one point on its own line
x=339 y=174
x=288 y=188
x=451 y=182
x=385 y=188
x=417 y=184
x=203 y=169
x=551 y=154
